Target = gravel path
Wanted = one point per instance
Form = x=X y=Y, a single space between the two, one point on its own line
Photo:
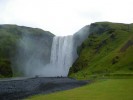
x=19 y=88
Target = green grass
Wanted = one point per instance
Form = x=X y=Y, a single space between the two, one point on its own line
x=102 y=52
x=111 y=89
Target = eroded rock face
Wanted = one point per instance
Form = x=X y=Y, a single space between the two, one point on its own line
x=127 y=45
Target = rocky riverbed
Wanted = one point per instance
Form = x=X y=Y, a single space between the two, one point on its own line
x=19 y=88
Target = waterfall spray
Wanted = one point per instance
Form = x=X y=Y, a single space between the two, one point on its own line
x=36 y=57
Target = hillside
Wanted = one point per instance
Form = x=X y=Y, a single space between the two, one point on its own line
x=10 y=35
x=106 y=52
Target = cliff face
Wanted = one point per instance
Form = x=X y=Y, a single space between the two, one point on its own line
x=107 y=50
x=10 y=35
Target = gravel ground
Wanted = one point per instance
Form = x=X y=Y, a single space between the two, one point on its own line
x=19 y=88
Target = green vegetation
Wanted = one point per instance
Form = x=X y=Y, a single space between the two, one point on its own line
x=112 y=89
x=8 y=39
x=107 y=52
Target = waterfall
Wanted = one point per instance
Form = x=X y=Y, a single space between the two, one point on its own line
x=62 y=54
x=32 y=52
x=61 y=58
x=39 y=55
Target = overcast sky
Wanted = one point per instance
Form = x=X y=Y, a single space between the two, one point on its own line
x=64 y=17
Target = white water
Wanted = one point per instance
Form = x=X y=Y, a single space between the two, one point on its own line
x=62 y=54
x=61 y=58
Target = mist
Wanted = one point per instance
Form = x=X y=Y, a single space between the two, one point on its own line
x=31 y=59
x=35 y=57
x=33 y=52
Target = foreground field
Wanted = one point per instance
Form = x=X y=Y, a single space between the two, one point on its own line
x=111 y=89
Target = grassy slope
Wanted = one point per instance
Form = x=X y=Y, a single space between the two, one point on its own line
x=112 y=89
x=107 y=51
